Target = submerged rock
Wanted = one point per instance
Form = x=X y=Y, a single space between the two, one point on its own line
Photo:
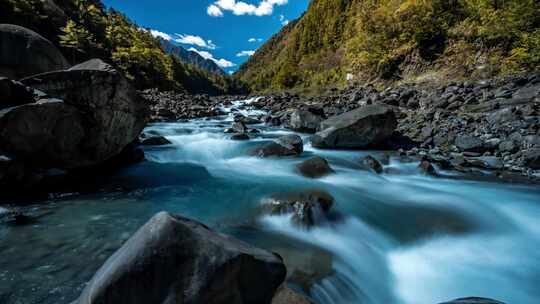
x=365 y=127
x=427 y=168
x=305 y=206
x=240 y=136
x=289 y=145
x=94 y=115
x=372 y=163
x=24 y=52
x=172 y=259
x=314 y=167
x=473 y=300
x=156 y=140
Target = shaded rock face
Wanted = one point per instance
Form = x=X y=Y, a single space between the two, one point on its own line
x=304 y=121
x=473 y=300
x=305 y=207
x=93 y=116
x=172 y=259
x=289 y=145
x=24 y=53
x=314 y=167
x=365 y=127
x=13 y=93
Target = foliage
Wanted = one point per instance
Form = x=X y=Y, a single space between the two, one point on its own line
x=387 y=40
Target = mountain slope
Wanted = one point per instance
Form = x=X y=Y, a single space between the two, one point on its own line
x=190 y=57
x=85 y=29
x=387 y=41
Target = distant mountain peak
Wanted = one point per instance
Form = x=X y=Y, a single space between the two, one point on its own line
x=189 y=56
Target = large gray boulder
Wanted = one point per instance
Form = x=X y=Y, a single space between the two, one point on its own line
x=94 y=115
x=288 y=145
x=304 y=121
x=174 y=260
x=365 y=127
x=24 y=53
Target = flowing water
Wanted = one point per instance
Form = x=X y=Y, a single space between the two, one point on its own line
x=400 y=237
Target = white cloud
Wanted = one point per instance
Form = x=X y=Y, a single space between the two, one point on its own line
x=239 y=8
x=245 y=54
x=214 y=11
x=195 y=40
x=223 y=63
x=159 y=34
x=283 y=20
x=255 y=40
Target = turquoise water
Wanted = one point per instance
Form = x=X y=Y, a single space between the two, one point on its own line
x=400 y=237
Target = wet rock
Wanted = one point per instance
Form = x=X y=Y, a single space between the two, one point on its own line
x=427 y=168
x=469 y=143
x=239 y=127
x=314 y=167
x=486 y=162
x=94 y=115
x=285 y=295
x=371 y=163
x=508 y=146
x=240 y=136
x=247 y=120
x=473 y=300
x=289 y=145
x=156 y=140
x=306 y=207
x=172 y=259
x=304 y=121
x=532 y=158
x=365 y=127
x=24 y=53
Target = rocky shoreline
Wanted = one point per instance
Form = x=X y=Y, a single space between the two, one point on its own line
x=491 y=125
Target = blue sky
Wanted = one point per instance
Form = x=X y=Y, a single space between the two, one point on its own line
x=227 y=31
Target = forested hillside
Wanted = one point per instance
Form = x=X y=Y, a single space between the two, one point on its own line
x=385 y=41
x=85 y=29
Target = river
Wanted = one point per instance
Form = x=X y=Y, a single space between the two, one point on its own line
x=399 y=237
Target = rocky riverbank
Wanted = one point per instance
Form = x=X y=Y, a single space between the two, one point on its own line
x=489 y=125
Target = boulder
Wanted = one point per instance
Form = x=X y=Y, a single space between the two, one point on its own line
x=314 y=167
x=95 y=114
x=304 y=121
x=372 y=164
x=172 y=259
x=532 y=158
x=156 y=140
x=473 y=300
x=289 y=145
x=467 y=143
x=306 y=207
x=285 y=295
x=365 y=127
x=427 y=168
x=24 y=53
x=13 y=93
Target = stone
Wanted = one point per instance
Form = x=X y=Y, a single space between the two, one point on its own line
x=304 y=121
x=306 y=207
x=532 y=158
x=289 y=145
x=285 y=295
x=427 y=168
x=314 y=167
x=24 y=52
x=365 y=127
x=486 y=162
x=473 y=300
x=93 y=115
x=156 y=140
x=371 y=163
x=14 y=93
x=508 y=146
x=469 y=143
x=240 y=136
x=172 y=259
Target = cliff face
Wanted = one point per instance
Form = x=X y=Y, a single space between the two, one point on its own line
x=388 y=41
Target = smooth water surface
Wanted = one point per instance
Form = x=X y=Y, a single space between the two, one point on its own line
x=400 y=237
